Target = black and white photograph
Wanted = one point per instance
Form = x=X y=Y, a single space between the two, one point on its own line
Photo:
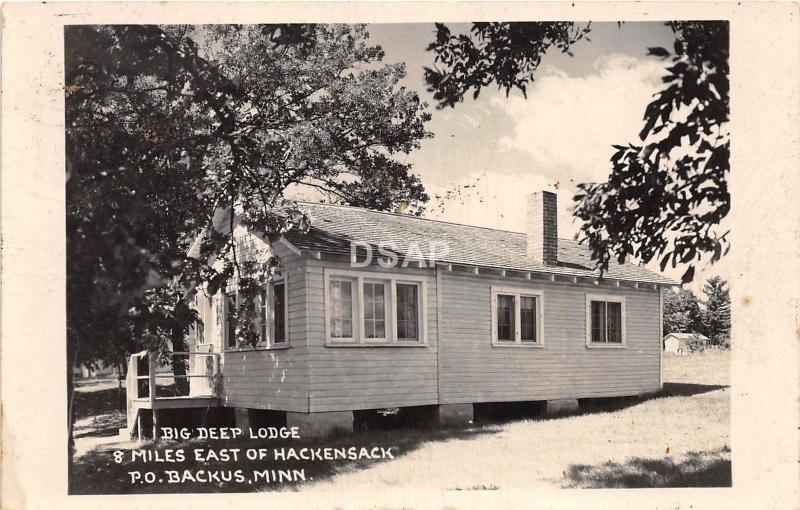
x=394 y=242
x=314 y=256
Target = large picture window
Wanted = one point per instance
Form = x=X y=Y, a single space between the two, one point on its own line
x=605 y=321
x=517 y=317
x=373 y=309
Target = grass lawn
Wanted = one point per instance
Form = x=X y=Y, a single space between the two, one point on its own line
x=678 y=438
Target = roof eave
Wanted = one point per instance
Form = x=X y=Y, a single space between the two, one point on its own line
x=315 y=252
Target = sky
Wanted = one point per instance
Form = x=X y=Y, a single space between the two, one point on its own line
x=488 y=154
x=561 y=135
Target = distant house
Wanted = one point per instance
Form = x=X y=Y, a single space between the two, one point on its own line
x=676 y=343
x=454 y=315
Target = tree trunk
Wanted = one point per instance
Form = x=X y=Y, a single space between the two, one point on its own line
x=179 y=363
x=121 y=397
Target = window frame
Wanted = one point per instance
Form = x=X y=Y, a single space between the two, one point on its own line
x=388 y=292
x=390 y=281
x=420 y=311
x=515 y=302
x=355 y=298
x=518 y=293
x=202 y=304
x=270 y=287
x=607 y=298
x=268 y=343
x=225 y=317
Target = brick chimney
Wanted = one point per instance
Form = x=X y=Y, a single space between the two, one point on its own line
x=543 y=228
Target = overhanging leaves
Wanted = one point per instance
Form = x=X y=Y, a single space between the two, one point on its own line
x=665 y=197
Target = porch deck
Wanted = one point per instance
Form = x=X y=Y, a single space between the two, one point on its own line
x=180 y=402
x=200 y=371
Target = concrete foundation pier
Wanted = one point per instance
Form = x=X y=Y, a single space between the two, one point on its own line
x=456 y=415
x=321 y=424
x=565 y=405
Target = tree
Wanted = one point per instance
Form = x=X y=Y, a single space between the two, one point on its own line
x=681 y=312
x=134 y=147
x=717 y=313
x=167 y=126
x=320 y=114
x=666 y=193
x=504 y=53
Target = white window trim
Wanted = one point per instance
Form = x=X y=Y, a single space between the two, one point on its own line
x=390 y=302
x=269 y=344
x=614 y=298
x=203 y=306
x=518 y=293
x=388 y=299
x=356 y=300
x=421 y=307
x=224 y=304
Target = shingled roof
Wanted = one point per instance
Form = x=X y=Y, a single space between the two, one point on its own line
x=334 y=227
x=687 y=336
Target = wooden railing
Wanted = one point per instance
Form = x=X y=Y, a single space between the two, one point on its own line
x=200 y=371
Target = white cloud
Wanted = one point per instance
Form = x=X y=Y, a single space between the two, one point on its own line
x=470 y=121
x=568 y=124
x=498 y=201
x=563 y=133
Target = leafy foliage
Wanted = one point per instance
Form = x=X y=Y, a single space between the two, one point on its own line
x=681 y=312
x=717 y=313
x=323 y=115
x=665 y=197
x=504 y=53
x=135 y=146
x=695 y=345
x=686 y=313
x=168 y=127
x=667 y=193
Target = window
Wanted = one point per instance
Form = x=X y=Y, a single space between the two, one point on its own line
x=407 y=312
x=279 y=312
x=374 y=310
x=527 y=319
x=200 y=333
x=605 y=321
x=271 y=316
x=341 y=308
x=263 y=308
x=201 y=306
x=506 y=322
x=231 y=303
x=364 y=308
x=517 y=317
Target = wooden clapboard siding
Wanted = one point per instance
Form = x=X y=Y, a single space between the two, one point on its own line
x=475 y=371
x=277 y=378
x=313 y=376
x=346 y=378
